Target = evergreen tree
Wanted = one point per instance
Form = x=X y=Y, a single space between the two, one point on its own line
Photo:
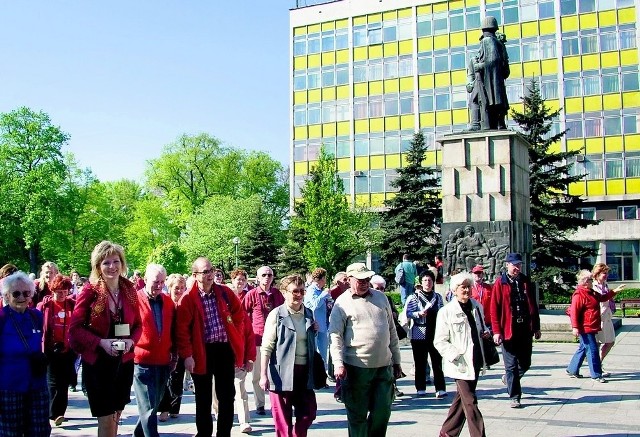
x=260 y=249
x=554 y=212
x=291 y=258
x=411 y=224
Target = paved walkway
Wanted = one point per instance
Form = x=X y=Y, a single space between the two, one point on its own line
x=554 y=405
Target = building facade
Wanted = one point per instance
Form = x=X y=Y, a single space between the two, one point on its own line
x=365 y=75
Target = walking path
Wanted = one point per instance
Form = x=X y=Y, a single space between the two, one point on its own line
x=554 y=405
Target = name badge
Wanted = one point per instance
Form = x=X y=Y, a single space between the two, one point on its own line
x=122 y=330
x=62 y=315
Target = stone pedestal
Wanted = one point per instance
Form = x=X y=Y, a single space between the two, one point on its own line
x=485 y=200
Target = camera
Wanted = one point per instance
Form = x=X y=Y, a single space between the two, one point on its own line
x=118 y=345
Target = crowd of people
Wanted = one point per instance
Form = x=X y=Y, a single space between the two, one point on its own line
x=154 y=331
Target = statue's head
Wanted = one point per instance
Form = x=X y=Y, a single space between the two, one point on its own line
x=489 y=24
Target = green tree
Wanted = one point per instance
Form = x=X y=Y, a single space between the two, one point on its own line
x=291 y=257
x=554 y=212
x=411 y=224
x=260 y=249
x=171 y=256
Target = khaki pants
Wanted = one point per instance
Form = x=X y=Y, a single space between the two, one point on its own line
x=258 y=393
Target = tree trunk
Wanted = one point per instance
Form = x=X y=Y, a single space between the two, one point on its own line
x=33 y=258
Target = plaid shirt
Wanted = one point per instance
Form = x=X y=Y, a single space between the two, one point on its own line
x=214 y=331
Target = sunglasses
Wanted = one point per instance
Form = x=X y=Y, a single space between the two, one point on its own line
x=266 y=275
x=218 y=275
x=16 y=294
x=206 y=272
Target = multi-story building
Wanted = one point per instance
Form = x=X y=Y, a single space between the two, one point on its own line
x=365 y=75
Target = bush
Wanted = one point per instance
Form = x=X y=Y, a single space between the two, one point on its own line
x=628 y=293
x=395 y=298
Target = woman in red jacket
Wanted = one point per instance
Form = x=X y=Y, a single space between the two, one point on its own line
x=105 y=326
x=585 y=324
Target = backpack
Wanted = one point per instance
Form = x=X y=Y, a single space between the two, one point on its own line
x=400 y=279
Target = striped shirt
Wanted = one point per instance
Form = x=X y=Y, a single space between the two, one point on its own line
x=214 y=331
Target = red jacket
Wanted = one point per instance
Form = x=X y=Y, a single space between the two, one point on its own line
x=258 y=305
x=501 y=322
x=47 y=307
x=91 y=319
x=249 y=341
x=585 y=309
x=154 y=349
x=190 y=325
x=485 y=301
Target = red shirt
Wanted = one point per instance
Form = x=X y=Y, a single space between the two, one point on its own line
x=482 y=293
x=258 y=304
x=585 y=309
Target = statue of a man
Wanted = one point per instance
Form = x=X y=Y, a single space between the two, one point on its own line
x=492 y=67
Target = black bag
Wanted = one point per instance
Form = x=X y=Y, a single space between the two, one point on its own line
x=491 y=355
x=319 y=374
x=400 y=278
x=402 y=334
x=39 y=363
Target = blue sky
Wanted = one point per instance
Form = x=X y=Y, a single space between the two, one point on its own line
x=125 y=78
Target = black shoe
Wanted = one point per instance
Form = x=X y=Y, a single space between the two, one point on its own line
x=399 y=393
x=331 y=379
x=338 y=398
x=260 y=411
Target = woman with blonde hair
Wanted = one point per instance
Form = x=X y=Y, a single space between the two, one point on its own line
x=47 y=272
x=607 y=334
x=105 y=326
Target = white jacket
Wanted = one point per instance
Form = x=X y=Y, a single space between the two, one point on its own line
x=453 y=339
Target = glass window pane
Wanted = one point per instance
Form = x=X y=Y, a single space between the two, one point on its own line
x=300 y=152
x=511 y=15
x=313 y=43
x=574 y=129
x=342 y=39
x=589 y=44
x=548 y=49
x=424 y=25
x=587 y=6
x=567 y=7
x=360 y=72
x=406 y=105
x=376 y=183
x=425 y=103
x=342 y=74
x=362 y=184
x=440 y=23
x=442 y=63
x=458 y=61
x=513 y=50
x=550 y=90
x=593 y=127
x=456 y=23
x=359 y=36
x=328 y=42
x=405 y=66
x=392 y=144
x=608 y=41
x=300 y=45
x=376 y=145
x=361 y=146
x=391 y=106
x=375 y=70
x=328 y=76
x=389 y=32
x=630 y=81
x=610 y=83
x=375 y=34
x=313 y=79
x=375 y=107
x=628 y=39
x=329 y=112
x=528 y=12
x=342 y=148
x=360 y=109
x=473 y=20
x=530 y=51
x=405 y=29
x=443 y=101
x=546 y=10
x=571 y=87
x=614 y=169
x=299 y=81
x=570 y=46
x=390 y=68
x=612 y=126
x=593 y=168
x=300 y=116
x=632 y=167
x=313 y=115
x=591 y=85
x=425 y=65
x=603 y=5
x=631 y=124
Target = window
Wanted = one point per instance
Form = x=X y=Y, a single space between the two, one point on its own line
x=613 y=166
x=440 y=23
x=391 y=175
x=342 y=39
x=313 y=113
x=625 y=3
x=328 y=76
x=390 y=68
x=443 y=99
x=631 y=123
x=570 y=44
x=375 y=106
x=632 y=166
x=342 y=74
x=359 y=108
x=587 y=213
x=313 y=43
x=405 y=66
x=549 y=89
x=459 y=97
x=299 y=115
x=610 y=81
x=313 y=151
x=299 y=151
x=627 y=38
x=574 y=128
x=299 y=80
x=359 y=35
x=376 y=181
x=328 y=112
x=342 y=147
x=612 y=126
x=591 y=84
x=374 y=33
x=622 y=259
x=593 y=167
x=424 y=25
x=389 y=31
x=514 y=90
x=529 y=50
x=391 y=104
x=567 y=7
x=361 y=145
x=548 y=48
x=328 y=41
x=458 y=61
x=627 y=212
x=441 y=62
x=375 y=69
x=362 y=183
x=300 y=45
x=513 y=50
x=391 y=142
x=376 y=145
x=359 y=71
x=406 y=103
x=473 y=17
x=456 y=20
x=586 y=6
x=510 y=11
x=425 y=102
x=405 y=29
x=592 y=127
x=588 y=43
x=425 y=64
x=630 y=81
x=529 y=12
x=313 y=78
x=346 y=182
x=608 y=41
x=572 y=87
x=604 y=5
x=546 y=10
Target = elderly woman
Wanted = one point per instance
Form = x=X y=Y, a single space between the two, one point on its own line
x=422 y=308
x=104 y=328
x=57 y=310
x=459 y=331
x=607 y=335
x=24 y=398
x=47 y=272
x=288 y=345
x=585 y=324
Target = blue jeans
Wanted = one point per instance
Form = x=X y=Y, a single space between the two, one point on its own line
x=322 y=345
x=588 y=348
x=149 y=383
x=406 y=290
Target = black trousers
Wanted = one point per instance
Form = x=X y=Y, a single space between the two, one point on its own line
x=60 y=374
x=221 y=366
x=173 y=392
x=516 y=354
x=420 y=349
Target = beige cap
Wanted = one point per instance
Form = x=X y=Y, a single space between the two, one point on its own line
x=359 y=271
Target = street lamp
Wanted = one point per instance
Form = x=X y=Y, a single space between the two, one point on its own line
x=236 y=241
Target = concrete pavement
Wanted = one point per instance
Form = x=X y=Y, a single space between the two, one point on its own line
x=554 y=405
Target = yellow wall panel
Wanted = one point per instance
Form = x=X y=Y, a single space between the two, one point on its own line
x=313 y=60
x=609 y=59
x=440 y=7
x=458 y=39
x=594 y=145
x=629 y=57
x=578 y=188
x=360 y=89
x=329 y=130
x=458 y=77
x=441 y=42
x=442 y=79
x=593 y=103
x=360 y=53
x=360 y=20
x=392 y=123
x=429 y=159
x=362 y=163
x=300 y=168
x=390 y=49
x=424 y=9
x=632 y=142
x=342 y=56
x=573 y=105
x=329 y=93
x=588 y=21
x=328 y=58
x=341 y=24
x=457 y=4
x=342 y=92
x=555 y=147
x=631 y=99
x=569 y=23
x=377 y=162
x=516 y=70
x=375 y=87
x=299 y=97
x=315 y=131
x=425 y=82
x=406 y=84
x=389 y=15
x=633 y=185
x=591 y=62
x=425 y=44
x=374 y=18
x=329 y=25
x=531 y=68
x=314 y=95
x=517 y=106
x=595 y=188
x=376 y=124
x=362 y=201
x=607 y=18
x=375 y=51
x=300 y=63
x=405 y=47
x=613 y=144
x=553 y=105
x=405 y=13
x=626 y=15
x=530 y=29
x=571 y=64
x=612 y=101
x=389 y=195
x=391 y=85
x=547 y=27
x=472 y=2
x=300 y=133
x=313 y=28
x=575 y=144
x=428 y=119
x=615 y=187
x=460 y=116
x=549 y=66
x=407 y=121
x=443 y=118
x=302 y=30
x=343 y=164
x=377 y=200
x=344 y=127
x=361 y=126
x=392 y=161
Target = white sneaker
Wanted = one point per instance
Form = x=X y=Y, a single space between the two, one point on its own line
x=245 y=428
x=441 y=394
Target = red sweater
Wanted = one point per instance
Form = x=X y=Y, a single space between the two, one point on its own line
x=501 y=322
x=190 y=325
x=258 y=305
x=154 y=349
x=585 y=309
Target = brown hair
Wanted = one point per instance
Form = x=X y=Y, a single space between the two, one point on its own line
x=7 y=270
x=61 y=282
x=318 y=274
x=238 y=272
x=291 y=279
x=599 y=268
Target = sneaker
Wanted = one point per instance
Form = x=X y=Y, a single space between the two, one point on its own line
x=59 y=420
x=338 y=398
x=573 y=375
x=245 y=428
x=421 y=393
x=399 y=393
x=515 y=403
x=441 y=394
x=601 y=379
x=504 y=379
x=260 y=411
x=605 y=374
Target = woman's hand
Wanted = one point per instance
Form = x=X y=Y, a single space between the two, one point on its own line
x=128 y=345
x=619 y=288
x=486 y=334
x=105 y=344
x=189 y=364
x=264 y=382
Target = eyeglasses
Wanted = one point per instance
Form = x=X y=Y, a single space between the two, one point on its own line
x=266 y=275
x=218 y=275
x=297 y=291
x=25 y=293
x=205 y=272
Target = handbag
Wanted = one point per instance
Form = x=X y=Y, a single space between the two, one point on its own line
x=319 y=374
x=402 y=334
x=491 y=355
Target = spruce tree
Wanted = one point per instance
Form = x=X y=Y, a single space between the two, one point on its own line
x=554 y=212
x=260 y=249
x=411 y=224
